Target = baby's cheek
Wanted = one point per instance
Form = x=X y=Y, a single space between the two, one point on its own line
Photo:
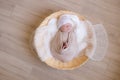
x=65 y=28
x=69 y=29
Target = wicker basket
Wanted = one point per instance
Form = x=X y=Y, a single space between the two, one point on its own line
x=76 y=62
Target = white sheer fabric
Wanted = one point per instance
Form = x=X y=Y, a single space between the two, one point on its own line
x=101 y=43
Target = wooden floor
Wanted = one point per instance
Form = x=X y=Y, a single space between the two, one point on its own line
x=19 y=18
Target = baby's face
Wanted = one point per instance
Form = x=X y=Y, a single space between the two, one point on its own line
x=66 y=27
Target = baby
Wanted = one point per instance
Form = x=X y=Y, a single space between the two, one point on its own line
x=64 y=45
x=66 y=29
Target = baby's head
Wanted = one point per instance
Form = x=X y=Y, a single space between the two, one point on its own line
x=65 y=23
x=66 y=27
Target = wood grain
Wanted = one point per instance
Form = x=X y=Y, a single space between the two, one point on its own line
x=19 y=18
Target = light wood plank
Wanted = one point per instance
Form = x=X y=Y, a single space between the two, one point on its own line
x=19 y=18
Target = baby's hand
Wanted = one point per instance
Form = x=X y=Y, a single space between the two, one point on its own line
x=65 y=45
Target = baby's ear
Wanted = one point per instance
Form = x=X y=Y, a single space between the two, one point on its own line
x=52 y=21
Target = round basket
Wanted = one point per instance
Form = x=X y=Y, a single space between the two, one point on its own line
x=76 y=62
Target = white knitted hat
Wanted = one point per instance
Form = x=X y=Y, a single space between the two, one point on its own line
x=64 y=19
